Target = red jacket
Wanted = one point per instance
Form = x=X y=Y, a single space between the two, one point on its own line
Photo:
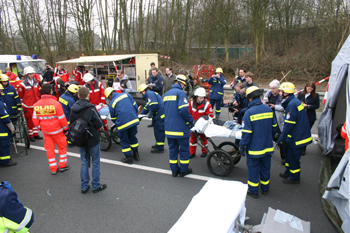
x=97 y=93
x=37 y=77
x=14 y=80
x=49 y=115
x=345 y=135
x=29 y=94
x=203 y=109
x=78 y=76
x=64 y=75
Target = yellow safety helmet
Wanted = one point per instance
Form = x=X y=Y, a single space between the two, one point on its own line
x=0 y=72
x=109 y=91
x=287 y=87
x=254 y=91
x=73 y=88
x=181 y=78
x=4 y=78
x=142 y=87
x=219 y=70
x=1 y=87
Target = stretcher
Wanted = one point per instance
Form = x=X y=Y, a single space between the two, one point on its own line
x=222 y=159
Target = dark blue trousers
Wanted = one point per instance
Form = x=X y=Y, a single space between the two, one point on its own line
x=218 y=106
x=128 y=140
x=292 y=162
x=159 y=134
x=259 y=168
x=179 y=146
x=5 y=151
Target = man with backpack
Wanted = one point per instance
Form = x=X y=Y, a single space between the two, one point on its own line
x=85 y=122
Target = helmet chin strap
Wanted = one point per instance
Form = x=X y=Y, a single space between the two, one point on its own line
x=284 y=96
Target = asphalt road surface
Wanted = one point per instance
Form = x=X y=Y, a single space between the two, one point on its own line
x=144 y=197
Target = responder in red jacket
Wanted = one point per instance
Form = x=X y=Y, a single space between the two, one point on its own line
x=14 y=80
x=79 y=73
x=62 y=73
x=29 y=94
x=49 y=115
x=345 y=135
x=198 y=107
x=97 y=91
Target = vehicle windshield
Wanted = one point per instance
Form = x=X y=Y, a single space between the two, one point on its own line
x=39 y=66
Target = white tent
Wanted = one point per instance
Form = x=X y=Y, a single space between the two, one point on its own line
x=334 y=114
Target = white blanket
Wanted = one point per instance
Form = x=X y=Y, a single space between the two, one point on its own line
x=212 y=130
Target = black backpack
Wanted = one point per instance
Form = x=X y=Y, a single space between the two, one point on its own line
x=78 y=131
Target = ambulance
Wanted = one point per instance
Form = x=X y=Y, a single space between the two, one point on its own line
x=17 y=63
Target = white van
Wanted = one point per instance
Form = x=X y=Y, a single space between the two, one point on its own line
x=19 y=62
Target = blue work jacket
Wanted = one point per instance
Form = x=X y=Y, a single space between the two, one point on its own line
x=5 y=132
x=177 y=116
x=296 y=130
x=10 y=97
x=217 y=87
x=158 y=82
x=154 y=106
x=123 y=110
x=67 y=101
x=258 y=127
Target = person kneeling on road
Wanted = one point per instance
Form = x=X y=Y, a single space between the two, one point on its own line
x=258 y=127
x=90 y=148
x=123 y=110
x=155 y=109
x=49 y=116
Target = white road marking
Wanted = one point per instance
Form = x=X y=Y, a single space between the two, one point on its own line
x=135 y=166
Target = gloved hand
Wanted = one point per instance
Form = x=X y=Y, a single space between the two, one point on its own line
x=242 y=150
x=18 y=111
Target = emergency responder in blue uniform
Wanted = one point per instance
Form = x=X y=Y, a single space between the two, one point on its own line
x=295 y=134
x=259 y=126
x=6 y=130
x=14 y=217
x=10 y=97
x=123 y=110
x=216 y=94
x=67 y=101
x=178 y=122
x=156 y=81
x=155 y=109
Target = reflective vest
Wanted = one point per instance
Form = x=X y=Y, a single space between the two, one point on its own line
x=203 y=109
x=48 y=113
x=296 y=130
x=123 y=110
x=154 y=103
x=5 y=132
x=217 y=87
x=258 y=128
x=29 y=94
x=14 y=80
x=11 y=99
x=67 y=101
x=97 y=93
x=177 y=116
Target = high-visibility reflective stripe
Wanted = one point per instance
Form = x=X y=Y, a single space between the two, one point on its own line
x=160 y=143
x=264 y=182
x=289 y=135
x=173 y=161
x=3 y=134
x=16 y=96
x=62 y=116
x=193 y=144
x=10 y=93
x=63 y=156
x=162 y=116
x=261 y=116
x=211 y=90
x=46 y=118
x=52 y=160
x=274 y=125
x=287 y=164
x=118 y=99
x=184 y=161
x=134 y=145
x=153 y=103
x=126 y=150
x=27 y=105
x=220 y=93
x=128 y=124
x=260 y=152
x=253 y=184
x=303 y=141
x=55 y=132
x=103 y=98
x=170 y=98
x=294 y=171
x=113 y=118
x=172 y=133
x=301 y=107
x=184 y=105
x=247 y=131
x=14 y=106
x=291 y=122
x=63 y=160
x=217 y=110
x=52 y=164
x=134 y=103
x=13 y=225
x=5 y=157
x=4 y=116
x=65 y=102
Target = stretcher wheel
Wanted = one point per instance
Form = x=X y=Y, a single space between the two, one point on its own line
x=220 y=162
x=114 y=135
x=232 y=149
x=105 y=140
x=26 y=137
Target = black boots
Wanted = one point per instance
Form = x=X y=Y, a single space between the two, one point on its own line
x=127 y=159
x=135 y=154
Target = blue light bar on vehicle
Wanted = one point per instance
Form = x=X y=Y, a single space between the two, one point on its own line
x=34 y=56
x=18 y=57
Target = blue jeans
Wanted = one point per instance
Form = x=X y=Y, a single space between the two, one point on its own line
x=96 y=170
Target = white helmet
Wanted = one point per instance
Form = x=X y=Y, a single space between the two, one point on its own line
x=88 y=77
x=28 y=70
x=200 y=92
